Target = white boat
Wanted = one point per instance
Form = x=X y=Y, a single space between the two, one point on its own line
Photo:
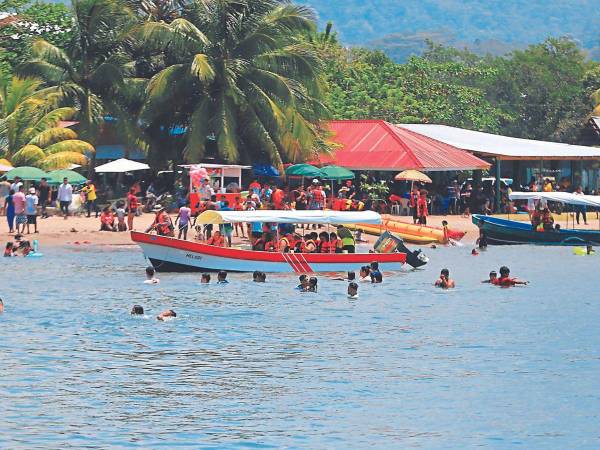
x=169 y=254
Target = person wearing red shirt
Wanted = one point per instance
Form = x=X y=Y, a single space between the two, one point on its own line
x=255 y=187
x=216 y=239
x=132 y=206
x=422 y=209
x=414 y=199
x=277 y=197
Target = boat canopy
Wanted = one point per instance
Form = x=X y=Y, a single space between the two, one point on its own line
x=562 y=197
x=277 y=216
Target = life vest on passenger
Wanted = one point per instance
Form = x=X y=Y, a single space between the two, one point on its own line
x=323 y=246
x=259 y=245
x=309 y=246
x=286 y=244
x=506 y=281
x=333 y=245
x=270 y=246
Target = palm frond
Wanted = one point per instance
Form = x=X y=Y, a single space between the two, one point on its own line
x=29 y=155
x=52 y=136
x=72 y=146
x=62 y=160
x=45 y=51
x=201 y=68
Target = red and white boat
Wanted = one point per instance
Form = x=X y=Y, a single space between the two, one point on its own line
x=169 y=254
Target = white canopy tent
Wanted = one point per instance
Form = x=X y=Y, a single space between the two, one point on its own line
x=121 y=165
x=277 y=216
x=503 y=147
x=562 y=197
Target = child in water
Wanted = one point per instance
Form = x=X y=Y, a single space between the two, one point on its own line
x=444 y=281
x=303 y=282
x=506 y=281
x=352 y=290
x=493 y=278
x=222 y=277
x=165 y=315
x=376 y=276
x=137 y=310
x=8 y=250
x=312 y=285
x=150 y=279
x=205 y=278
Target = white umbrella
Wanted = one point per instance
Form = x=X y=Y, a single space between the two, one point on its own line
x=121 y=166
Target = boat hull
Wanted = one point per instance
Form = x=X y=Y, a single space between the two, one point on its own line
x=511 y=232
x=174 y=255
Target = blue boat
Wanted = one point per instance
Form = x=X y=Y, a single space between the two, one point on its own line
x=510 y=232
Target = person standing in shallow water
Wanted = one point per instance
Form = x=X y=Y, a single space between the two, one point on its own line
x=444 y=281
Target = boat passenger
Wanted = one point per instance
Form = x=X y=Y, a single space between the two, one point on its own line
x=506 y=281
x=310 y=246
x=270 y=243
x=536 y=219
x=444 y=281
x=323 y=242
x=286 y=243
x=376 y=276
x=205 y=278
x=166 y=315
x=162 y=224
x=547 y=220
x=347 y=238
x=493 y=278
x=334 y=243
x=150 y=279
x=216 y=239
x=222 y=277
x=303 y=282
x=137 y=310
x=364 y=274
x=107 y=220
x=353 y=290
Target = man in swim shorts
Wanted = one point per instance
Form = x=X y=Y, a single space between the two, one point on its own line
x=150 y=279
x=444 y=281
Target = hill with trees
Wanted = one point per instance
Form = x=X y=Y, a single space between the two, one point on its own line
x=400 y=28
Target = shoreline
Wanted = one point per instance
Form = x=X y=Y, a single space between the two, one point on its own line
x=55 y=231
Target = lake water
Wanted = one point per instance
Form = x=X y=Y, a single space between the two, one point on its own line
x=253 y=365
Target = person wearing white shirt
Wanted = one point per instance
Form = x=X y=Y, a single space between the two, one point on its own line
x=65 y=197
x=31 y=202
x=16 y=184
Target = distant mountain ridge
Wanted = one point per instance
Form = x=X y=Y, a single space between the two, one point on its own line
x=400 y=27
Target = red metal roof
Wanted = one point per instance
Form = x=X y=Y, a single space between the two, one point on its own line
x=379 y=145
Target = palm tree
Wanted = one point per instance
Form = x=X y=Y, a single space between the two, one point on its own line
x=29 y=131
x=596 y=100
x=89 y=70
x=241 y=75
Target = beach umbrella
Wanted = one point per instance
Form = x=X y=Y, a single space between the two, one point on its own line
x=412 y=175
x=121 y=166
x=337 y=173
x=26 y=173
x=57 y=176
x=303 y=170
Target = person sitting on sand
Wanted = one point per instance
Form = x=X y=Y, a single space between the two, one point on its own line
x=353 y=290
x=303 y=282
x=493 y=278
x=107 y=220
x=205 y=278
x=506 y=281
x=376 y=276
x=166 y=315
x=120 y=212
x=222 y=277
x=216 y=239
x=444 y=281
x=150 y=278
x=137 y=310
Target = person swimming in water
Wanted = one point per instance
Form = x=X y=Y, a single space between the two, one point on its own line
x=205 y=278
x=352 y=290
x=169 y=313
x=137 y=310
x=444 y=281
x=364 y=274
x=474 y=252
x=9 y=249
x=506 y=281
x=493 y=278
x=376 y=276
x=1 y=306
x=150 y=279
x=259 y=277
x=303 y=282
x=350 y=276
x=312 y=285
x=222 y=277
